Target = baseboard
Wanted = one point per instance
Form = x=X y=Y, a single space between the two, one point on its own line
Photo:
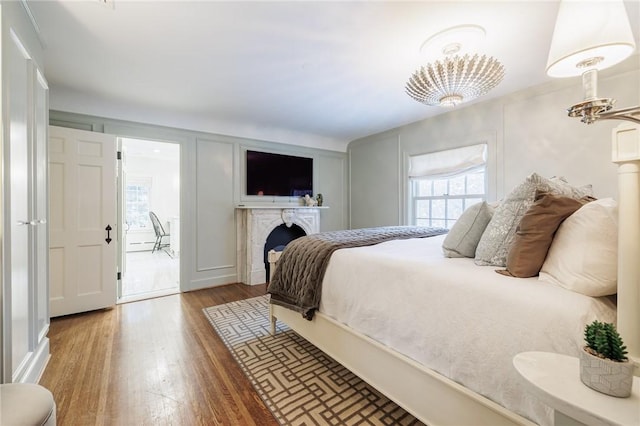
x=211 y=282
x=36 y=365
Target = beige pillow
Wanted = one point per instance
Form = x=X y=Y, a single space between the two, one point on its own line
x=536 y=230
x=584 y=254
x=462 y=239
x=498 y=236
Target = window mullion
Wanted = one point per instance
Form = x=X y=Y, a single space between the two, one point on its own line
x=427 y=203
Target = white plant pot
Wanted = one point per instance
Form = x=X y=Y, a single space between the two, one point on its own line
x=606 y=376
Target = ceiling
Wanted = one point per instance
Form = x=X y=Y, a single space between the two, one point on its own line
x=150 y=150
x=311 y=73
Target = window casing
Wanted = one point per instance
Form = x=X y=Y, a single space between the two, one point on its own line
x=443 y=184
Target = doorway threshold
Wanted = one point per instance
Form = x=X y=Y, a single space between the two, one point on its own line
x=147 y=295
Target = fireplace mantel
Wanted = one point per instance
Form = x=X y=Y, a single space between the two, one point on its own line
x=255 y=223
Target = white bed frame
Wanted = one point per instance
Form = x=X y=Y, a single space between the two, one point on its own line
x=429 y=396
x=437 y=400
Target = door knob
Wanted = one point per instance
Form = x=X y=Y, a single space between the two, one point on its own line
x=31 y=222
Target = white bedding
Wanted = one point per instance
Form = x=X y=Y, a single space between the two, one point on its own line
x=464 y=321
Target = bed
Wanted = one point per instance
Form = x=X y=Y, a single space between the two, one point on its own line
x=437 y=335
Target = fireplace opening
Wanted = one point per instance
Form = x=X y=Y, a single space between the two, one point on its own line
x=279 y=238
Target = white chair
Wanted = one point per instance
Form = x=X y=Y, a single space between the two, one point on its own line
x=160 y=232
x=26 y=404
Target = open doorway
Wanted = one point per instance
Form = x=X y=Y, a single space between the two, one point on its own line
x=149 y=186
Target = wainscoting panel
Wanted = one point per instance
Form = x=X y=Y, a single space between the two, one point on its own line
x=332 y=170
x=215 y=213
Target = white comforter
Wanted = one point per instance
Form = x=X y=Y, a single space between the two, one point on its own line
x=464 y=321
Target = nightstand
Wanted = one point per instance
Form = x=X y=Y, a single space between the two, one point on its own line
x=555 y=380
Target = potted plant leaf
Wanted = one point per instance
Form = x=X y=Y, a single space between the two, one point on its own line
x=604 y=365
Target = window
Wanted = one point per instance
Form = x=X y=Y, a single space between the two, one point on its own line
x=440 y=202
x=443 y=184
x=138 y=204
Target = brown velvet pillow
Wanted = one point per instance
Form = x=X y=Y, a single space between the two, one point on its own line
x=536 y=230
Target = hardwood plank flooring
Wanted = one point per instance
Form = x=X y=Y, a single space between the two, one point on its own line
x=152 y=362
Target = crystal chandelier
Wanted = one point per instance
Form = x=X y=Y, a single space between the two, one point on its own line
x=455 y=78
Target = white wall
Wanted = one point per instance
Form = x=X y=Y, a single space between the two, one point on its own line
x=164 y=199
x=165 y=183
x=527 y=132
x=211 y=186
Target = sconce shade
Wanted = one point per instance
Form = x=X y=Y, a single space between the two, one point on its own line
x=589 y=35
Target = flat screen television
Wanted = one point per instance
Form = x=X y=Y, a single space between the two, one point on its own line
x=278 y=174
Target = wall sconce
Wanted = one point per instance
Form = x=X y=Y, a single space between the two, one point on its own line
x=591 y=36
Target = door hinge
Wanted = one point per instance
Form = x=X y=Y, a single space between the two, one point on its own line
x=119 y=276
x=119 y=155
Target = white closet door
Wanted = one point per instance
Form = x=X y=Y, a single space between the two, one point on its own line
x=82 y=256
x=19 y=215
x=41 y=204
x=24 y=314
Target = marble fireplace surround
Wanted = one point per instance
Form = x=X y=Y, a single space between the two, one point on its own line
x=255 y=223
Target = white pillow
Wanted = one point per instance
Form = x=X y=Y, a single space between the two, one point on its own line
x=584 y=254
x=462 y=239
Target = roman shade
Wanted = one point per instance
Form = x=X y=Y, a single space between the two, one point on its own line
x=452 y=162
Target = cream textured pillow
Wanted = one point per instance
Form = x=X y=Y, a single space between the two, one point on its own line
x=496 y=240
x=584 y=254
x=462 y=239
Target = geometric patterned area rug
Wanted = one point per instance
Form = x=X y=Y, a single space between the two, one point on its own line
x=298 y=382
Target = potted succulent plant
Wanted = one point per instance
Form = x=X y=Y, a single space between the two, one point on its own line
x=603 y=362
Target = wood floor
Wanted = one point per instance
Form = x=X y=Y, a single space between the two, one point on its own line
x=152 y=362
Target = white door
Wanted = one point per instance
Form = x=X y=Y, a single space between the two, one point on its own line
x=41 y=205
x=24 y=313
x=82 y=222
x=19 y=213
